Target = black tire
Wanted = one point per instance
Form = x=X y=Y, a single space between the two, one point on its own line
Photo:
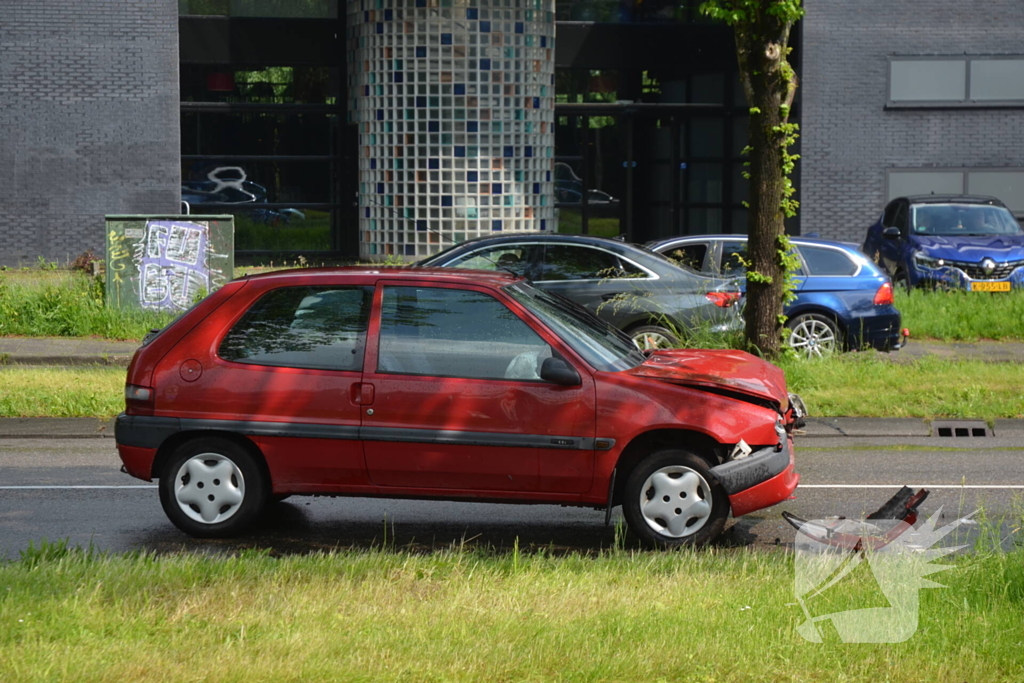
x=696 y=507
x=814 y=335
x=653 y=337
x=218 y=494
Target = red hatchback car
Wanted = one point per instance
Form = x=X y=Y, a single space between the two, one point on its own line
x=449 y=384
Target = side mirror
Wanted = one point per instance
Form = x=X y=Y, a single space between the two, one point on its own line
x=891 y=233
x=557 y=371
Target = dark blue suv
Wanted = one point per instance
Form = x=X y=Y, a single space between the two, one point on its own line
x=949 y=242
x=843 y=301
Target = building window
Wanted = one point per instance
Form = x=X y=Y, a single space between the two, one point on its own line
x=1006 y=184
x=956 y=81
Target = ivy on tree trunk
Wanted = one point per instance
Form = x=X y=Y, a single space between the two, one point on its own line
x=762 y=30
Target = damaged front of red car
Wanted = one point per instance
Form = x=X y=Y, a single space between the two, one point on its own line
x=713 y=435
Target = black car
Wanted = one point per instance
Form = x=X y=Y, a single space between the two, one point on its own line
x=639 y=291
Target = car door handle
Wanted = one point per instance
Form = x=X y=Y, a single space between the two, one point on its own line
x=362 y=394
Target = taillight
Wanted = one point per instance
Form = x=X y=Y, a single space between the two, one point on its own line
x=139 y=400
x=884 y=295
x=723 y=299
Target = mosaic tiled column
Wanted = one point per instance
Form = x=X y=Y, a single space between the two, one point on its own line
x=455 y=106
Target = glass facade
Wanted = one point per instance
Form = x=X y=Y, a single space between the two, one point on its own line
x=335 y=128
x=454 y=111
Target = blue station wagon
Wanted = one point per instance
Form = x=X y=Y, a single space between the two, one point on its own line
x=843 y=300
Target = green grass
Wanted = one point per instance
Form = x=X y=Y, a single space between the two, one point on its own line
x=59 y=392
x=962 y=316
x=66 y=304
x=570 y=222
x=843 y=386
x=864 y=385
x=462 y=615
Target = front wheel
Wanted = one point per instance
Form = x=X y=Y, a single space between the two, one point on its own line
x=672 y=499
x=212 y=488
x=812 y=335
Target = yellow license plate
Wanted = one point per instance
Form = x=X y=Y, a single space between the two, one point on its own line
x=990 y=286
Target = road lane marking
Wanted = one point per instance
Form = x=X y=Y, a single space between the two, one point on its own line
x=913 y=486
x=47 y=488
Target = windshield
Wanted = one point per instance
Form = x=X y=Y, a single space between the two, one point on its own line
x=600 y=344
x=963 y=219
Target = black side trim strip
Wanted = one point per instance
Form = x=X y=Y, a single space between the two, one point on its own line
x=460 y=438
x=758 y=467
x=289 y=429
x=150 y=432
x=142 y=431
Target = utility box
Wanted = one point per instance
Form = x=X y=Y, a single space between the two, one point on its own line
x=167 y=263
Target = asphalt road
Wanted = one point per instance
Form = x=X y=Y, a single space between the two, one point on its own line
x=73 y=489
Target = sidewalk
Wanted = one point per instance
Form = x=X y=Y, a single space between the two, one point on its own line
x=64 y=352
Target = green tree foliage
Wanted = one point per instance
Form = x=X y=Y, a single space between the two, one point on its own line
x=762 y=28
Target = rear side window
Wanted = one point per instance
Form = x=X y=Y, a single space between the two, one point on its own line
x=689 y=255
x=303 y=327
x=570 y=262
x=822 y=261
x=733 y=256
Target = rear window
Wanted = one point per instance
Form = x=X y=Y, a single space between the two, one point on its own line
x=824 y=261
x=303 y=327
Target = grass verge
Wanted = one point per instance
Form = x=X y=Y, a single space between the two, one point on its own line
x=963 y=316
x=66 y=304
x=460 y=615
x=59 y=392
x=853 y=385
x=843 y=386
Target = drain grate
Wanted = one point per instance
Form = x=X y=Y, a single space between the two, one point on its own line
x=961 y=428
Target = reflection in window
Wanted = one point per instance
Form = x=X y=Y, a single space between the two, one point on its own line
x=456 y=333
x=504 y=257
x=566 y=262
x=823 y=261
x=303 y=327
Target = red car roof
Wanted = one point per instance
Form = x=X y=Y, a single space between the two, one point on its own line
x=489 y=277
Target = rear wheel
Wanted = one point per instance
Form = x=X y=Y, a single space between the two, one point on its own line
x=649 y=337
x=671 y=499
x=812 y=335
x=212 y=488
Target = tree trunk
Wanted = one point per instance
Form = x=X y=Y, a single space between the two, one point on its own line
x=769 y=85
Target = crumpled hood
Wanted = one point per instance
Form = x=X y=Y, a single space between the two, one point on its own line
x=734 y=371
x=973 y=249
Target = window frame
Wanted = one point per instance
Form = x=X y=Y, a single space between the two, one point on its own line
x=966 y=102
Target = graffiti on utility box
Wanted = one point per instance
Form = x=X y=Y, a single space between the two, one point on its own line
x=173 y=265
x=167 y=263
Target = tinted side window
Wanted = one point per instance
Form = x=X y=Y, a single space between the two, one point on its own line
x=900 y=219
x=889 y=217
x=732 y=255
x=822 y=261
x=456 y=333
x=303 y=327
x=569 y=262
x=689 y=255
x=511 y=257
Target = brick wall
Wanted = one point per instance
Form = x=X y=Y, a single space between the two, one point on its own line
x=89 y=121
x=849 y=138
